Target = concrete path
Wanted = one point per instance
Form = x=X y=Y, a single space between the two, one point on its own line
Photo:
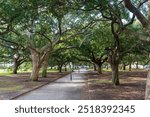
x=61 y=89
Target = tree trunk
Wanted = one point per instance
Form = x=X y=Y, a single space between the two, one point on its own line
x=124 y=67
x=35 y=66
x=137 y=65
x=15 y=67
x=60 y=68
x=45 y=66
x=94 y=67
x=99 y=68
x=115 y=67
x=44 y=71
x=144 y=21
x=115 y=56
x=115 y=74
x=130 y=67
x=66 y=68
x=35 y=71
x=147 y=92
x=107 y=67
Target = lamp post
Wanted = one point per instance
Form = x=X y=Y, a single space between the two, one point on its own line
x=71 y=70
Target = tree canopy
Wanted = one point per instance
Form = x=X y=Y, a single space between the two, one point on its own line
x=94 y=31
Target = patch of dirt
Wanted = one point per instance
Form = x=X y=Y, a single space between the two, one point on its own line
x=132 y=86
x=14 y=85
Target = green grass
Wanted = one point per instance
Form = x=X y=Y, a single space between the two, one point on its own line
x=11 y=89
x=9 y=86
x=104 y=69
x=4 y=83
x=52 y=70
x=9 y=73
x=5 y=73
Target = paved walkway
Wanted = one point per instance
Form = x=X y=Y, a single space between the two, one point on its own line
x=61 y=89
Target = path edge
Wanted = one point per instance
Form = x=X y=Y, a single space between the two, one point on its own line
x=23 y=93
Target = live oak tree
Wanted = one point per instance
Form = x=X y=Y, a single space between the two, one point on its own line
x=145 y=21
x=61 y=58
x=113 y=12
x=43 y=27
x=14 y=52
x=93 y=47
x=12 y=12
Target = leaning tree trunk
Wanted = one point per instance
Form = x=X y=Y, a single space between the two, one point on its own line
x=36 y=64
x=44 y=69
x=45 y=66
x=147 y=92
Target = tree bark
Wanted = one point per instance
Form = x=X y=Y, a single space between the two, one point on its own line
x=15 y=67
x=130 y=67
x=36 y=64
x=124 y=67
x=115 y=73
x=44 y=71
x=148 y=9
x=144 y=21
x=147 y=92
x=137 y=65
x=66 y=68
x=35 y=72
x=115 y=56
x=17 y=62
x=94 y=66
x=45 y=66
x=107 y=67
x=60 y=68
x=99 y=66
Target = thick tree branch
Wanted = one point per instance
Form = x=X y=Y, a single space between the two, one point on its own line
x=136 y=12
